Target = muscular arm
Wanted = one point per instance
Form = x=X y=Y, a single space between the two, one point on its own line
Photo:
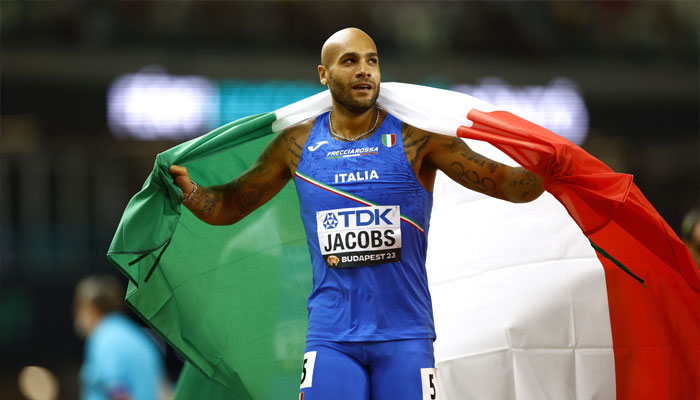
x=228 y=203
x=429 y=152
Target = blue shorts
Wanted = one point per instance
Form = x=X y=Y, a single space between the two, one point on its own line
x=388 y=370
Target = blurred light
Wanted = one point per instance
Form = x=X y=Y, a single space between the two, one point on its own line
x=558 y=106
x=243 y=98
x=37 y=383
x=153 y=105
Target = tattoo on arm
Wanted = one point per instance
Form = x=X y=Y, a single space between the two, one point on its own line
x=295 y=150
x=229 y=203
x=250 y=199
x=413 y=143
x=471 y=178
x=524 y=185
x=457 y=145
x=482 y=174
x=204 y=203
x=295 y=157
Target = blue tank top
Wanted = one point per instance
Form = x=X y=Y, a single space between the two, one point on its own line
x=366 y=217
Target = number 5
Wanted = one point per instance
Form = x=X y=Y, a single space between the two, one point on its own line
x=429 y=383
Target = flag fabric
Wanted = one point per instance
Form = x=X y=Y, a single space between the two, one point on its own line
x=531 y=300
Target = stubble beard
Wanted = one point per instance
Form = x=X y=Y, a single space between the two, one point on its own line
x=343 y=95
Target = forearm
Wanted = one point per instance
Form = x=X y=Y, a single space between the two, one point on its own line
x=521 y=185
x=229 y=203
x=206 y=203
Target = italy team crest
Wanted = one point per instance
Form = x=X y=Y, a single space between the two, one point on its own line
x=389 y=140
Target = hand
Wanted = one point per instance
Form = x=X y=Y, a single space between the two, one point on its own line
x=182 y=179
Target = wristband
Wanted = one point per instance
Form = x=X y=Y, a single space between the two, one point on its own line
x=189 y=196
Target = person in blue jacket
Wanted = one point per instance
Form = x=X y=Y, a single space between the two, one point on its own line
x=121 y=360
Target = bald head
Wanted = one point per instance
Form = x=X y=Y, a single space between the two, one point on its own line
x=341 y=40
x=350 y=68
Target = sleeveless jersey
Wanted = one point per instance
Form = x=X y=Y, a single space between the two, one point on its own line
x=366 y=217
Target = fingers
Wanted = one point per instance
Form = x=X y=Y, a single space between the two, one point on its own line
x=178 y=171
x=182 y=179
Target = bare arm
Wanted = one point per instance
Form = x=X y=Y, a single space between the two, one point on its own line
x=228 y=203
x=452 y=156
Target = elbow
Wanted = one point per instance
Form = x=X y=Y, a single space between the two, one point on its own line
x=222 y=220
x=528 y=196
x=525 y=188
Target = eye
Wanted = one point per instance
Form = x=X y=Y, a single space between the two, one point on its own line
x=373 y=61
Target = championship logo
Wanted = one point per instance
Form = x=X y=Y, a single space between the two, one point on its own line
x=332 y=261
x=389 y=140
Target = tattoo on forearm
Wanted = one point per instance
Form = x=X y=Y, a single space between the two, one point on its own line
x=471 y=178
x=457 y=145
x=204 y=202
x=524 y=183
x=250 y=199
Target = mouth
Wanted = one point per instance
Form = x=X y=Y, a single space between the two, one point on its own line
x=363 y=87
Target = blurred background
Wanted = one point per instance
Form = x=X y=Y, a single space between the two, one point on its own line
x=92 y=91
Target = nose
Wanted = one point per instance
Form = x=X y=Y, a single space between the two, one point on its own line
x=364 y=71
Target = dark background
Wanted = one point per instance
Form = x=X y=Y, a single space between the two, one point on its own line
x=65 y=179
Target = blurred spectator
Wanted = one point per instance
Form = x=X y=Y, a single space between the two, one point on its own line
x=121 y=361
x=690 y=233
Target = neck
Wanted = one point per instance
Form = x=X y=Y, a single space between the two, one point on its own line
x=349 y=124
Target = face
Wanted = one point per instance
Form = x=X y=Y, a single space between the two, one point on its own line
x=85 y=318
x=352 y=73
x=694 y=244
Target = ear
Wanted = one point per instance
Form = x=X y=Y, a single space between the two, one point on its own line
x=322 y=75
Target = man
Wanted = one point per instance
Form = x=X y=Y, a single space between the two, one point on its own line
x=364 y=181
x=121 y=361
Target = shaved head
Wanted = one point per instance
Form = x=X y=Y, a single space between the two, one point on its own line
x=350 y=68
x=341 y=40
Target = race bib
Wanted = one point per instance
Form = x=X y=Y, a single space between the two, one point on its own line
x=359 y=236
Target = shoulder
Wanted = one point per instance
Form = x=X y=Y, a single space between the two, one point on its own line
x=430 y=140
x=287 y=146
x=413 y=136
x=298 y=131
x=294 y=136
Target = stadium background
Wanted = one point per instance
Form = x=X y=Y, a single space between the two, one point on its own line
x=74 y=148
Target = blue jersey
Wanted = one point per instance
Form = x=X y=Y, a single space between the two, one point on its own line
x=366 y=217
x=120 y=358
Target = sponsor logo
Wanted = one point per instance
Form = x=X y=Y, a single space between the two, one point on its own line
x=318 y=144
x=389 y=140
x=359 y=236
x=356 y=176
x=362 y=151
x=330 y=221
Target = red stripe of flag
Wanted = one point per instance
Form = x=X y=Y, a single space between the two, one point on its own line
x=655 y=330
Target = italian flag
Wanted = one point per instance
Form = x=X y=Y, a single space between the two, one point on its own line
x=585 y=293
x=389 y=139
